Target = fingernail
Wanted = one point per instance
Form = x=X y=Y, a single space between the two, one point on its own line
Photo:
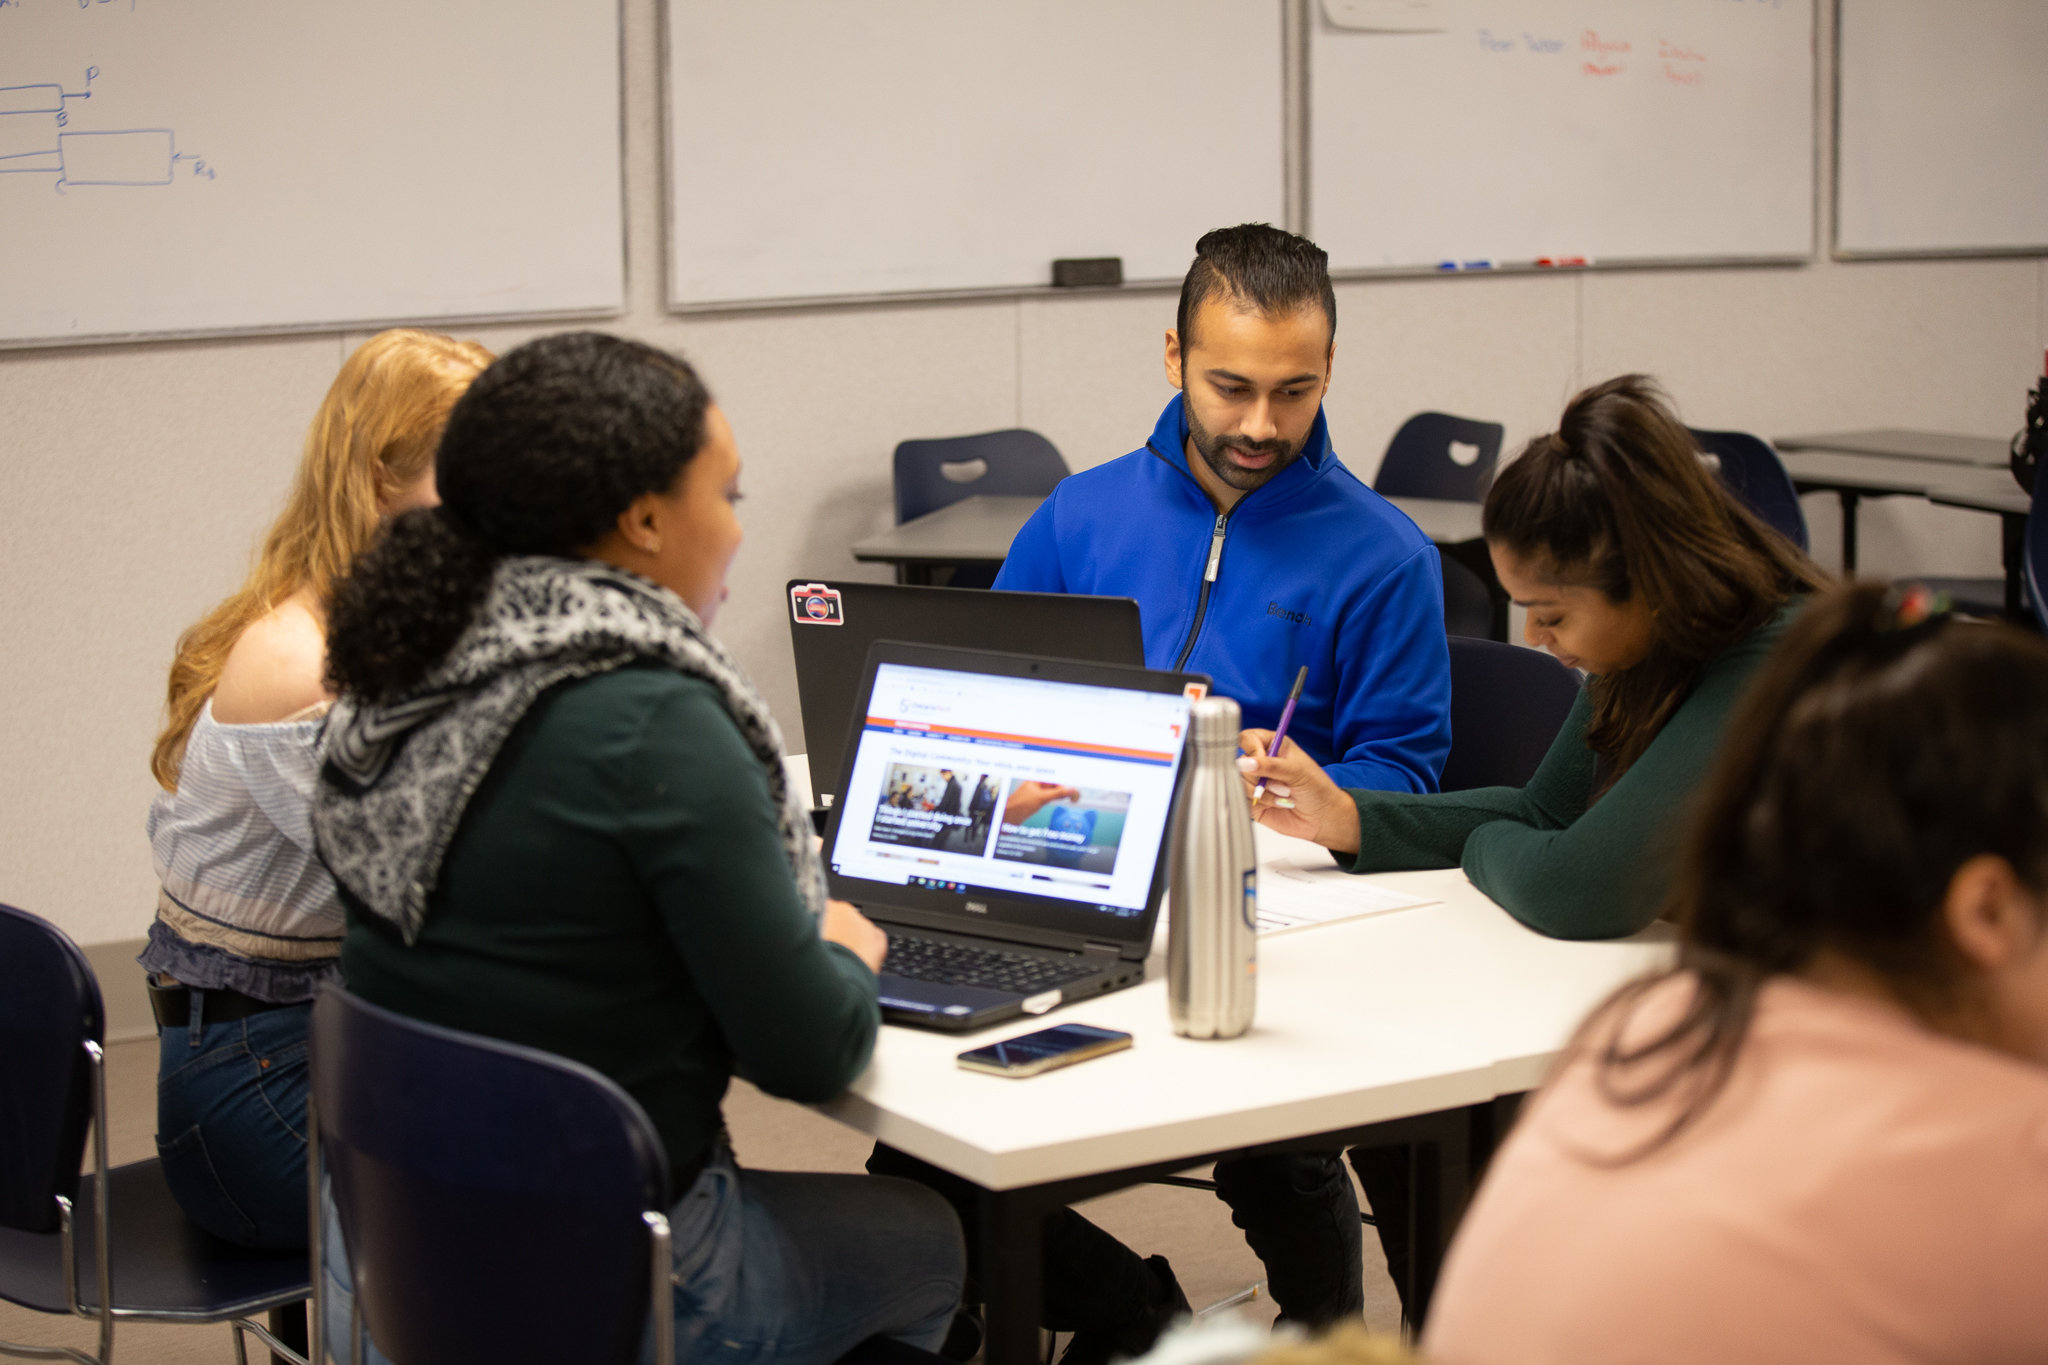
x=1283 y=803
x=1279 y=789
x=1247 y=764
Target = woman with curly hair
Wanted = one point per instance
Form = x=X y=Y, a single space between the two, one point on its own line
x=557 y=812
x=247 y=923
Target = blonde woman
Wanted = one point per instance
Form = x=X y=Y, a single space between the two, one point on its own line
x=247 y=922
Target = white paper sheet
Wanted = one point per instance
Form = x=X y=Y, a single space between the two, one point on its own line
x=1301 y=891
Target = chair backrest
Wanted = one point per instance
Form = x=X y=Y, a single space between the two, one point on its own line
x=938 y=473
x=49 y=1009
x=490 y=1195
x=1755 y=474
x=1507 y=705
x=1421 y=463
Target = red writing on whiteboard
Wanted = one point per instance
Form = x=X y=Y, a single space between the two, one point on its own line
x=1678 y=52
x=1589 y=41
x=1689 y=75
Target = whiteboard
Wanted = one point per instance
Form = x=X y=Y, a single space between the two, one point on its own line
x=1515 y=131
x=1941 y=127
x=818 y=148
x=204 y=166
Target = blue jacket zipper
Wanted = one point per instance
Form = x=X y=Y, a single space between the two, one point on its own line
x=1215 y=559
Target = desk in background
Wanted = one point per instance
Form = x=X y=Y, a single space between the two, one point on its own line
x=1984 y=452
x=974 y=530
x=1853 y=476
x=1404 y=1027
x=979 y=531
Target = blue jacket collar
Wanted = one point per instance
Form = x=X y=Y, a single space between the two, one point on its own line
x=1169 y=441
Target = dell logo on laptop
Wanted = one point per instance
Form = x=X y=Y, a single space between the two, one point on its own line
x=977 y=907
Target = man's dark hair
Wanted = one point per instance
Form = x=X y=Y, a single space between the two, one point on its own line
x=1272 y=271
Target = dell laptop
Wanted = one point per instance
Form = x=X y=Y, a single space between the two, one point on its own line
x=831 y=626
x=1004 y=818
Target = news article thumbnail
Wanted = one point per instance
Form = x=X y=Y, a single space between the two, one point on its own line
x=947 y=809
x=1056 y=826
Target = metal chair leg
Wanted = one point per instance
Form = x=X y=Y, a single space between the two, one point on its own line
x=661 y=1302
x=316 y=1308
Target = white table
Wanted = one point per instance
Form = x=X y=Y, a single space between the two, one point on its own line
x=1406 y=1025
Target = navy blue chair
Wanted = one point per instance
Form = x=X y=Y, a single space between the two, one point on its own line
x=116 y=1247
x=1754 y=474
x=938 y=473
x=1507 y=705
x=1421 y=463
x=497 y=1202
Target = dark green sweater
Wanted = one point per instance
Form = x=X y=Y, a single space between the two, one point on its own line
x=617 y=893
x=1555 y=864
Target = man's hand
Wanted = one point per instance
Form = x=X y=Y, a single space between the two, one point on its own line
x=1031 y=797
x=852 y=930
x=1300 y=799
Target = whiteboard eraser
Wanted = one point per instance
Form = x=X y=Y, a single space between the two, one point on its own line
x=1088 y=272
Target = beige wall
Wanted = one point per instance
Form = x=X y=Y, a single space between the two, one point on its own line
x=138 y=477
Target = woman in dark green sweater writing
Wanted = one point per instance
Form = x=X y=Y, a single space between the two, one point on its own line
x=556 y=811
x=1637 y=565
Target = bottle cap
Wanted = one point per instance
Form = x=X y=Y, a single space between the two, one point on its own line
x=1215 y=721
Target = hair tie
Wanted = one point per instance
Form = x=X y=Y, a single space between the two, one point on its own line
x=1909 y=606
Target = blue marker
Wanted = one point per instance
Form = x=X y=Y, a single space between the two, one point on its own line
x=1447 y=265
x=1478 y=265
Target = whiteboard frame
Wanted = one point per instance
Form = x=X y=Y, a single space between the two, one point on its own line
x=1836 y=251
x=437 y=322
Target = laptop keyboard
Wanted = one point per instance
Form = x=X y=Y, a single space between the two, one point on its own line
x=956 y=964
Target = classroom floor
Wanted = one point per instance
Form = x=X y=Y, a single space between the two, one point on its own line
x=1189 y=1227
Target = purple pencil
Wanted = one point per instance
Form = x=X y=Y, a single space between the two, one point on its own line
x=1280 y=730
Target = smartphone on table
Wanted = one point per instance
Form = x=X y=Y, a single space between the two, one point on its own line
x=1031 y=1053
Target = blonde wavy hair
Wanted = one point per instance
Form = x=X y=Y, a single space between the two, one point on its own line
x=375 y=433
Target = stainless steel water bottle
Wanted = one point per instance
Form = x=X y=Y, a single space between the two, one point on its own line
x=1211 y=938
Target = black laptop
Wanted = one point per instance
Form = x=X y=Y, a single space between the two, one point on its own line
x=1004 y=818
x=831 y=626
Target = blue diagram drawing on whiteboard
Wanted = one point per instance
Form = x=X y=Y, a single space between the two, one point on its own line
x=33 y=140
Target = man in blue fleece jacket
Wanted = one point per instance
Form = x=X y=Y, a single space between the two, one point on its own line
x=1252 y=551
x=1249 y=546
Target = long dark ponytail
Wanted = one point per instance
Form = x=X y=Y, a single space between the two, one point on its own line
x=1881 y=747
x=540 y=456
x=1618 y=499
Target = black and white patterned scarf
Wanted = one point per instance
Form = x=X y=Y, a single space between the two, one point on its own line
x=396 y=778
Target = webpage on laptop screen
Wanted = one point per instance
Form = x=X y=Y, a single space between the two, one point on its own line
x=1017 y=786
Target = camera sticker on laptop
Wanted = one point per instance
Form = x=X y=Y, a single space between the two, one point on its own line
x=814 y=604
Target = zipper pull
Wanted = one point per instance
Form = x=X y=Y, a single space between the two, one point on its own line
x=1215 y=551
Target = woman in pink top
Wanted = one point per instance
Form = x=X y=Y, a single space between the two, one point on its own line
x=1824 y=1134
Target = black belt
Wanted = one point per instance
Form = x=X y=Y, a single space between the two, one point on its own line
x=173 y=1005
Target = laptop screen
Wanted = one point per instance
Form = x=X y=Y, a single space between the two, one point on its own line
x=983 y=784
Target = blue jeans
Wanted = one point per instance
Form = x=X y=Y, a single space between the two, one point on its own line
x=780 y=1267
x=231 y=1124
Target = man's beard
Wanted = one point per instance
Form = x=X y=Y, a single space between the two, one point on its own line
x=1215 y=453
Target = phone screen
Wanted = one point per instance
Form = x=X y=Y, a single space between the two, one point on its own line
x=1045 y=1048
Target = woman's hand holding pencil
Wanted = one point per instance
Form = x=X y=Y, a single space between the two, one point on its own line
x=1298 y=797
